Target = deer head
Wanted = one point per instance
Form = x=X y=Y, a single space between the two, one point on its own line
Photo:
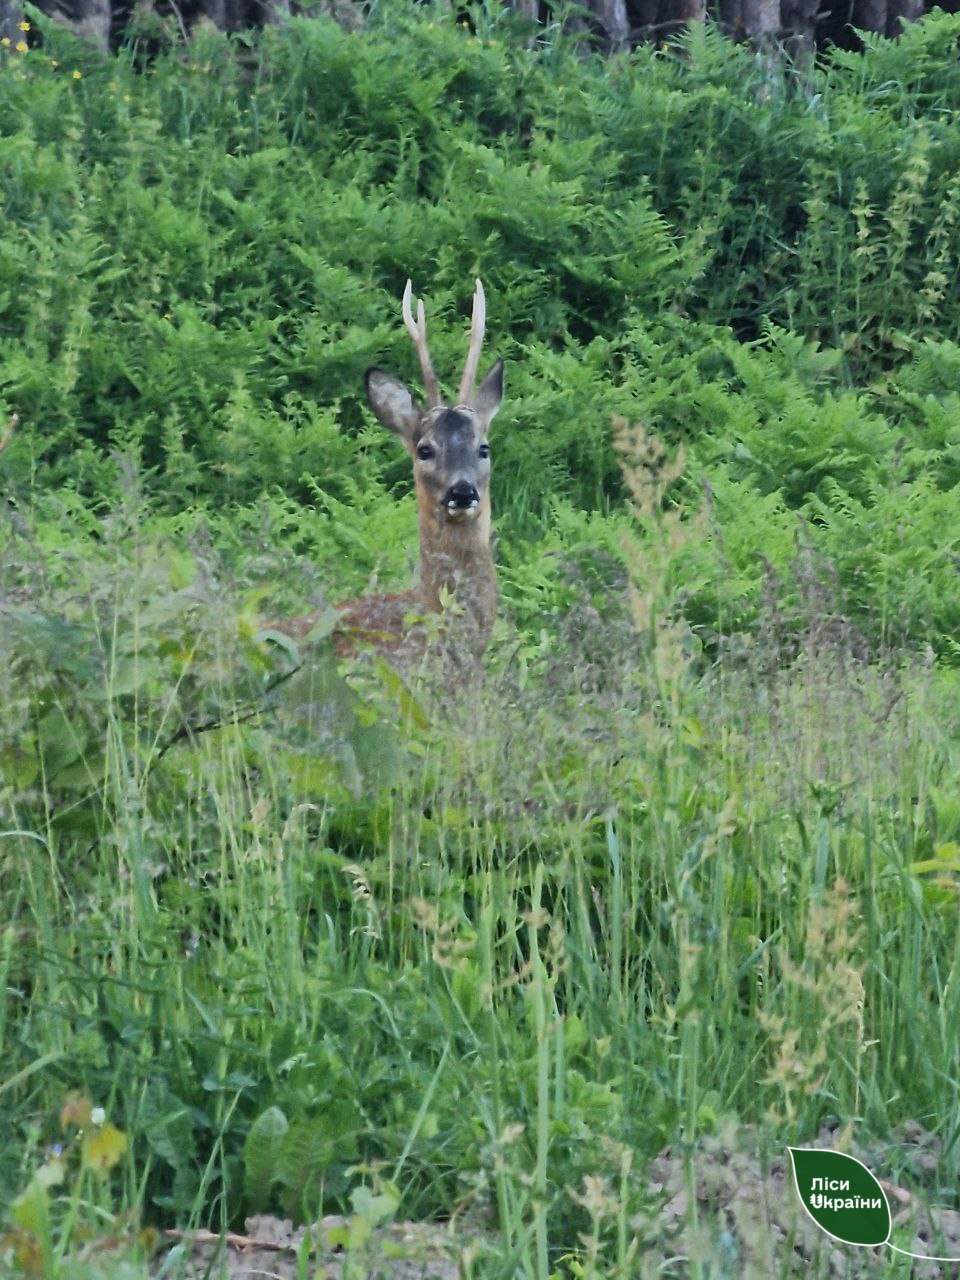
x=451 y=469
x=447 y=442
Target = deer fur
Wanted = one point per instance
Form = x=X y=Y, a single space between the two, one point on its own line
x=450 y=455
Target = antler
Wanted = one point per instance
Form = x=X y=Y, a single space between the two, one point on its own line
x=476 y=342
x=11 y=428
x=418 y=332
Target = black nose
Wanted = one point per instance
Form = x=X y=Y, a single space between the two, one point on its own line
x=462 y=494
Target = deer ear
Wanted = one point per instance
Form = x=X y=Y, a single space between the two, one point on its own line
x=393 y=404
x=489 y=394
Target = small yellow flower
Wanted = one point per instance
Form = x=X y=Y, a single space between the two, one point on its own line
x=5 y=42
x=54 y=62
x=21 y=46
x=23 y=26
x=76 y=74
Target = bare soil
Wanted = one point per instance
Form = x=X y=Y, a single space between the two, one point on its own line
x=749 y=1224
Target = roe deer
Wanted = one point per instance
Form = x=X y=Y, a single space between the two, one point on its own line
x=451 y=474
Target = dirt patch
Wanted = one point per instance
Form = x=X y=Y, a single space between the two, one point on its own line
x=272 y=1249
x=749 y=1223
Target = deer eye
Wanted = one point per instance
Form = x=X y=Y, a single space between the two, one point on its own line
x=484 y=451
x=425 y=452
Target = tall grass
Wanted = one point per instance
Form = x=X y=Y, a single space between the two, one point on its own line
x=498 y=954
x=680 y=876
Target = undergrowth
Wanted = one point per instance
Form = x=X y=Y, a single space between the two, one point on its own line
x=290 y=936
x=202 y=252
x=297 y=934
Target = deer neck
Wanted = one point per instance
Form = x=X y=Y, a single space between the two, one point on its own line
x=456 y=560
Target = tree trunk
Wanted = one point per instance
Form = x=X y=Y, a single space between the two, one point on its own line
x=901 y=11
x=528 y=8
x=761 y=20
x=870 y=15
x=95 y=22
x=275 y=10
x=680 y=12
x=730 y=18
x=612 y=16
x=11 y=13
x=771 y=25
x=799 y=21
x=89 y=19
x=643 y=17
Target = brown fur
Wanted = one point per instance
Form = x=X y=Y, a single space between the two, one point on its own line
x=456 y=563
x=449 y=451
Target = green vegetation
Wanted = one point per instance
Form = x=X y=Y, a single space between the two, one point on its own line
x=316 y=942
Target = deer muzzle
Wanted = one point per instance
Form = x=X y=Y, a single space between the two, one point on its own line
x=462 y=498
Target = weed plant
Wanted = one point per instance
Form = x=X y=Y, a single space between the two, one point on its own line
x=202 y=252
x=684 y=866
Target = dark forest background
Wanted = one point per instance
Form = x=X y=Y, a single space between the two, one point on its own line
x=796 y=26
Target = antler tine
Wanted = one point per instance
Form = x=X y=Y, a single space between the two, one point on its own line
x=11 y=428
x=418 y=332
x=476 y=343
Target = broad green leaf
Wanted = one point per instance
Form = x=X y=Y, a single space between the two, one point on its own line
x=307 y=1152
x=61 y=742
x=31 y=1209
x=18 y=767
x=946 y=859
x=374 y=1208
x=84 y=775
x=261 y=1155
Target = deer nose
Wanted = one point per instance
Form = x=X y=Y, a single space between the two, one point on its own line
x=461 y=496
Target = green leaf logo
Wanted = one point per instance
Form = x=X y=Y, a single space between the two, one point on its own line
x=841 y=1195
